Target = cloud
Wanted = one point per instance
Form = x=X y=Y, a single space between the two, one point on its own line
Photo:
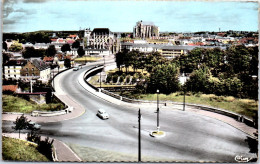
x=8 y=7
x=7 y=11
x=9 y=21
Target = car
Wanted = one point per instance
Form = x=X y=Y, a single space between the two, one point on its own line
x=33 y=126
x=102 y=114
x=77 y=68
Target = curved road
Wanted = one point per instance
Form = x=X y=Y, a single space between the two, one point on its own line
x=189 y=136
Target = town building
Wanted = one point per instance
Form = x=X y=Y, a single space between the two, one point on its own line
x=12 y=69
x=167 y=50
x=36 y=70
x=145 y=30
x=100 y=41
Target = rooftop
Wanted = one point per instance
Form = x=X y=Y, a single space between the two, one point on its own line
x=12 y=88
x=41 y=65
x=99 y=31
x=21 y=62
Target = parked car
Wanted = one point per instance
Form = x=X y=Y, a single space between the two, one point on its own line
x=102 y=114
x=33 y=126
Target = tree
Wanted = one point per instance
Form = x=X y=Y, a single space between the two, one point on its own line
x=51 y=51
x=119 y=59
x=16 y=47
x=65 y=47
x=199 y=80
x=238 y=60
x=81 y=51
x=38 y=37
x=134 y=59
x=6 y=58
x=165 y=78
x=5 y=46
x=67 y=63
x=20 y=123
x=31 y=52
x=28 y=52
x=75 y=44
x=214 y=59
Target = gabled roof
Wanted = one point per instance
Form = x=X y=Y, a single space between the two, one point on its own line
x=41 y=65
x=21 y=62
x=73 y=36
x=12 y=88
x=46 y=58
x=99 y=31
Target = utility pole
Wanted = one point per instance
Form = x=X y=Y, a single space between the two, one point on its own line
x=104 y=60
x=31 y=85
x=139 y=135
x=53 y=79
x=158 y=126
x=184 y=100
x=100 y=80
x=184 y=89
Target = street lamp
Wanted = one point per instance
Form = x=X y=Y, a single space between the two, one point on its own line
x=184 y=89
x=104 y=60
x=158 y=110
x=100 y=80
x=53 y=79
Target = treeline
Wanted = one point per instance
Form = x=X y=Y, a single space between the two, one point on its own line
x=32 y=37
x=222 y=72
x=37 y=37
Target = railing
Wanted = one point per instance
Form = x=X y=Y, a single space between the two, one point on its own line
x=236 y=116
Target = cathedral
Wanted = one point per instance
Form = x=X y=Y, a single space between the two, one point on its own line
x=145 y=30
x=100 y=39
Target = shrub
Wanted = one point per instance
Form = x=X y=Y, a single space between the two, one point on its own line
x=109 y=78
x=44 y=146
x=134 y=80
x=198 y=94
x=114 y=79
x=121 y=79
x=127 y=79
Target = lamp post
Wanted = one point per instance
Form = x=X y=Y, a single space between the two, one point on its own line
x=139 y=135
x=53 y=79
x=104 y=60
x=100 y=80
x=184 y=89
x=158 y=126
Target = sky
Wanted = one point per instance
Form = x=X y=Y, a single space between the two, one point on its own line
x=122 y=15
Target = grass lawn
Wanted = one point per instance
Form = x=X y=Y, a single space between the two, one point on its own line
x=18 y=150
x=17 y=104
x=87 y=59
x=245 y=107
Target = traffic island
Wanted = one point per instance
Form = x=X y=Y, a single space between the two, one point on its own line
x=157 y=134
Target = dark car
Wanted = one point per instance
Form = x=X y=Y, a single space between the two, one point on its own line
x=33 y=126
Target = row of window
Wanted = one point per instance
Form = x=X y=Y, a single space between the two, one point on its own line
x=27 y=69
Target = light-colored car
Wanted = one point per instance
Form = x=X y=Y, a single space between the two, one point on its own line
x=102 y=114
x=77 y=68
x=33 y=126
